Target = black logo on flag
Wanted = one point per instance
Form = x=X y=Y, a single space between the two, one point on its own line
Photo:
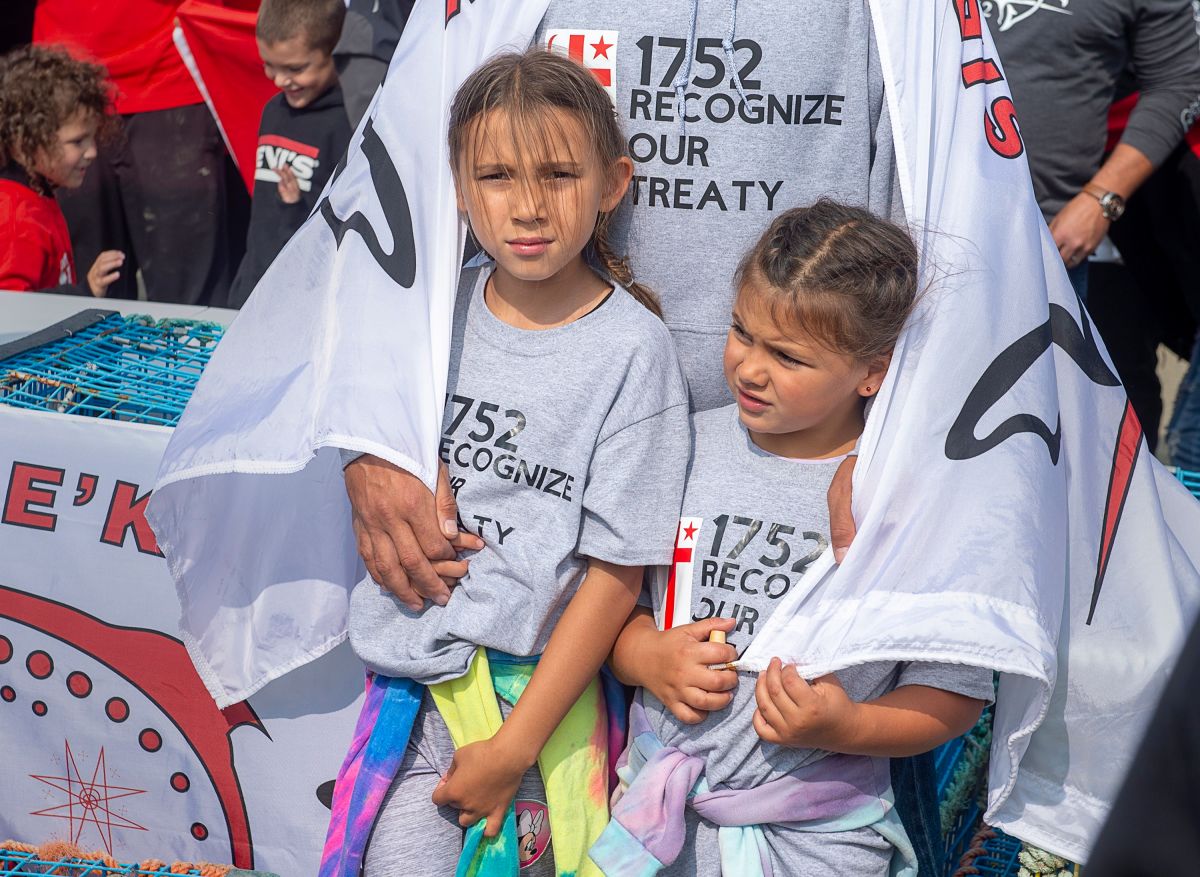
x=401 y=263
x=998 y=379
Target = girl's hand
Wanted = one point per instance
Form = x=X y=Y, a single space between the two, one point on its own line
x=793 y=712
x=289 y=186
x=481 y=783
x=676 y=670
x=104 y=271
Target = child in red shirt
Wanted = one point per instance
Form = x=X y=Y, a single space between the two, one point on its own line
x=52 y=108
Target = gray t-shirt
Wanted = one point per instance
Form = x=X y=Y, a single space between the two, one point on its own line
x=757 y=521
x=814 y=123
x=563 y=444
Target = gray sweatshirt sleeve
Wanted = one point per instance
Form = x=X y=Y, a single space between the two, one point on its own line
x=1166 y=62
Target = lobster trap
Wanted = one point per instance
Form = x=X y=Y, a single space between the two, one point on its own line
x=103 y=364
x=67 y=860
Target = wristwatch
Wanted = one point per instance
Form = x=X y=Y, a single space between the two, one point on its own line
x=1112 y=205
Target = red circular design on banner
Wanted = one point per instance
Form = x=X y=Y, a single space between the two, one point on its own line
x=39 y=708
x=79 y=684
x=180 y=782
x=150 y=740
x=39 y=665
x=116 y=709
x=8 y=694
x=199 y=831
x=6 y=650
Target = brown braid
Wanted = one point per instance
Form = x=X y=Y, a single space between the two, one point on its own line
x=618 y=269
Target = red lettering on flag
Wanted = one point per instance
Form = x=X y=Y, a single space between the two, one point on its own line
x=969 y=20
x=982 y=71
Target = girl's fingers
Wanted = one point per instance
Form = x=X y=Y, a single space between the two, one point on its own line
x=710 y=654
x=795 y=690
x=712 y=680
x=495 y=822
x=450 y=569
x=764 y=731
x=686 y=714
x=766 y=704
x=699 y=630
x=706 y=701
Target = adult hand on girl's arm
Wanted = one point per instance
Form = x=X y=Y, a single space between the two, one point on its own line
x=673 y=665
x=396 y=524
x=484 y=776
x=820 y=715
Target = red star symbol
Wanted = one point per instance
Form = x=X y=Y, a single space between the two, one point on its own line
x=689 y=532
x=88 y=800
x=601 y=48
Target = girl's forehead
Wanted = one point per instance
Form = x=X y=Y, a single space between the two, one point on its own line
x=82 y=121
x=769 y=317
x=544 y=135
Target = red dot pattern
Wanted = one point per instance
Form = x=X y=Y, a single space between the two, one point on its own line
x=79 y=684
x=39 y=665
x=199 y=831
x=39 y=708
x=150 y=740
x=116 y=709
x=6 y=650
x=8 y=694
x=180 y=782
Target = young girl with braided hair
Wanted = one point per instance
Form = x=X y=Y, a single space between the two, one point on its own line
x=783 y=775
x=565 y=440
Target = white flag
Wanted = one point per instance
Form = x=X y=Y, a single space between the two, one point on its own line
x=343 y=344
x=1010 y=515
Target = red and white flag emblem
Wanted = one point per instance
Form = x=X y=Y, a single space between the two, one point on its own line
x=594 y=49
x=676 y=596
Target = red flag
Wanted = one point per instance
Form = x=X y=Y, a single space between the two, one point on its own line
x=219 y=38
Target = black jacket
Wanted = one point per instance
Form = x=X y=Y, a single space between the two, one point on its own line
x=311 y=141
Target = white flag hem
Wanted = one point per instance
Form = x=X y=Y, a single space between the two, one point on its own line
x=222 y=695
x=237 y=466
x=1031 y=820
x=225 y=697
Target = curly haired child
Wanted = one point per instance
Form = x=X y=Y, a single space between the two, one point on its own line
x=52 y=110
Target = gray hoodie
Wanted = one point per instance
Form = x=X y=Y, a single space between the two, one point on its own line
x=784 y=104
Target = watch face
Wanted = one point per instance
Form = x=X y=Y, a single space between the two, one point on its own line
x=1113 y=206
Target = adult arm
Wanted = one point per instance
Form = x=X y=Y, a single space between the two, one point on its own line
x=841 y=510
x=407 y=536
x=1080 y=226
x=484 y=776
x=1166 y=61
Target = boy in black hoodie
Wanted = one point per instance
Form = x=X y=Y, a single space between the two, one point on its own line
x=304 y=129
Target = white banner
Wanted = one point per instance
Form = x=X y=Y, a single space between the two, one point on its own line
x=110 y=738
